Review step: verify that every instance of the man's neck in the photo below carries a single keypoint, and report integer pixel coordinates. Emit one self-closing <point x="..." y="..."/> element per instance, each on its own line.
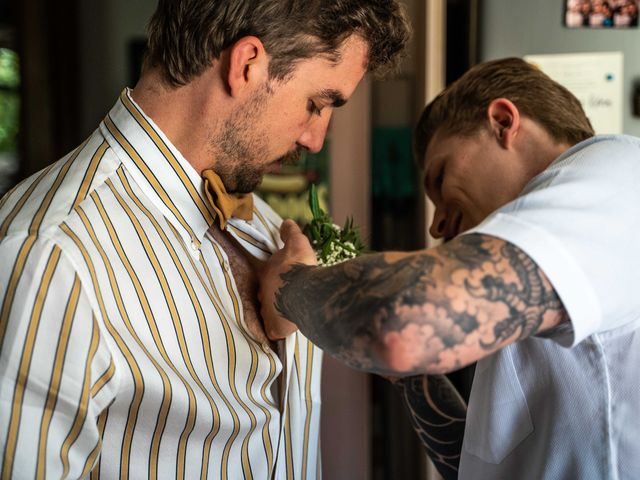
<point x="540" y="149"/>
<point x="182" y="113"/>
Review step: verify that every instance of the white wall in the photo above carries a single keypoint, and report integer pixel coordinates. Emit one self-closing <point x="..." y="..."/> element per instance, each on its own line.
<point x="523" y="27"/>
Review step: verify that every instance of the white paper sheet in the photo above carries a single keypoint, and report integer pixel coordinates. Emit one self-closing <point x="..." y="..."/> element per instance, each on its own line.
<point x="595" y="79"/>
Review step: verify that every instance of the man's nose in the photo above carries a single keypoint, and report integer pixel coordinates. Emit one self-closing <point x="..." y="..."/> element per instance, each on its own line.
<point x="313" y="137"/>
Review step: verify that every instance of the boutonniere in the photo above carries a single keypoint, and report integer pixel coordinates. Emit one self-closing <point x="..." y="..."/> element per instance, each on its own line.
<point x="332" y="243"/>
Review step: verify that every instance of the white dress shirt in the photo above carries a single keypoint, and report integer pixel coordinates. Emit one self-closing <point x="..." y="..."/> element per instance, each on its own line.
<point x="564" y="404"/>
<point x="125" y="351"/>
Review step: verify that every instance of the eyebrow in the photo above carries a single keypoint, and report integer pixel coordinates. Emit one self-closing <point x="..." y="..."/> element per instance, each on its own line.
<point x="334" y="97"/>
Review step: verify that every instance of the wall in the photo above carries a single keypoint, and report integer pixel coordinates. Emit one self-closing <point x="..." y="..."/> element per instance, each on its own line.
<point x="346" y="403"/>
<point x="106" y="27"/>
<point x="523" y="27"/>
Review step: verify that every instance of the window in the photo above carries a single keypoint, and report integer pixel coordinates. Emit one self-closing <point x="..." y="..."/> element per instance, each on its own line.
<point x="9" y="116"/>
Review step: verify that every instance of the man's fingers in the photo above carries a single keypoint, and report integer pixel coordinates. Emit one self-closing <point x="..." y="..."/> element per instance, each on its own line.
<point x="296" y="250"/>
<point x="281" y="330"/>
<point x="296" y="243"/>
<point x="289" y="228"/>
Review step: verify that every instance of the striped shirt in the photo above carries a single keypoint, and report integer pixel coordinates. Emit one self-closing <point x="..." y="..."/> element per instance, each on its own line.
<point x="124" y="348"/>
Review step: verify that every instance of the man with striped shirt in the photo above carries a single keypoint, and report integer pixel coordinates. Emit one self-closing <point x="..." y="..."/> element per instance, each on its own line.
<point x="131" y="342"/>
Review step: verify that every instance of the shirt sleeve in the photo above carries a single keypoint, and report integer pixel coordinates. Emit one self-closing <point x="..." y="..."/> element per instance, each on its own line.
<point x="57" y="374"/>
<point x="579" y="221"/>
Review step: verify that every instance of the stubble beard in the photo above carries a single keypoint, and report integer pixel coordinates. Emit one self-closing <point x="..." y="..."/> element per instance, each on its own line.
<point x="240" y="147"/>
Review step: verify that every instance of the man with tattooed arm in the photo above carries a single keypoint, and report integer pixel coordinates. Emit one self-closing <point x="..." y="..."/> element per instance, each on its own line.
<point x="535" y="281"/>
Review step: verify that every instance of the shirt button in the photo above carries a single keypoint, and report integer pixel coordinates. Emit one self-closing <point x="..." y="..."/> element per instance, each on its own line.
<point x="225" y="266"/>
<point x="266" y="348"/>
<point x="194" y="247"/>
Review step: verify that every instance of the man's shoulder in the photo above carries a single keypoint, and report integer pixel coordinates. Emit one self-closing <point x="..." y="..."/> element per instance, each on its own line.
<point x="612" y="160"/>
<point x="610" y="146"/>
<point x="41" y="203"/>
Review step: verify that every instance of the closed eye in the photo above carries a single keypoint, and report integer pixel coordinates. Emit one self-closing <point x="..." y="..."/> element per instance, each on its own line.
<point x="438" y="182"/>
<point x="433" y="185"/>
<point x="313" y="108"/>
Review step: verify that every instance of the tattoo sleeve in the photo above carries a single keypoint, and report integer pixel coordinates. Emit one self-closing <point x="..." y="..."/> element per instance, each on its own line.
<point x="431" y="311"/>
<point x="438" y="414"/>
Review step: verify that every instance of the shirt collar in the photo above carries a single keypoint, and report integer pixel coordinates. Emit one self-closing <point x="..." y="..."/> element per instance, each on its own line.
<point x="163" y="174"/>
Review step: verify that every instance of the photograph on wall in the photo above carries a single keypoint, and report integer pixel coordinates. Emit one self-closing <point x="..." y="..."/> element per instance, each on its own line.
<point x="601" y="13"/>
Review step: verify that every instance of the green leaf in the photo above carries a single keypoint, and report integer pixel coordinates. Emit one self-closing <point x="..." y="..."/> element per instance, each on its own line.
<point x="323" y="235"/>
<point x="314" y="204"/>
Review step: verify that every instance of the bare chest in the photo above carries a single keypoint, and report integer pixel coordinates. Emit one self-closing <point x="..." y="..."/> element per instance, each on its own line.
<point x="246" y="280"/>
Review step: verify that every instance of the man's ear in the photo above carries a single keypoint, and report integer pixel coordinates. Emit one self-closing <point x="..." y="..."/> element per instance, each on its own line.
<point x="248" y="66"/>
<point x="504" y="120"/>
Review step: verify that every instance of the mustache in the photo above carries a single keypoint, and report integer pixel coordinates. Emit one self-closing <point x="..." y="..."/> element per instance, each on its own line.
<point x="292" y="157"/>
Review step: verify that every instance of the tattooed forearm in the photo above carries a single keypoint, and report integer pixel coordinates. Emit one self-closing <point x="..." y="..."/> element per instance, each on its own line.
<point x="345" y="307"/>
<point x="438" y="414"/>
<point x="427" y="312"/>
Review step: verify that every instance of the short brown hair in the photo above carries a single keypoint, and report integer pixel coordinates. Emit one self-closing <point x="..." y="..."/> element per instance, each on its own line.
<point x="462" y="107"/>
<point x="186" y="35"/>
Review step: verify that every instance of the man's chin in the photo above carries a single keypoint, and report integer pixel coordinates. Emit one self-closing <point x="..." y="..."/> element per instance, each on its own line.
<point x="246" y="184"/>
<point x="275" y="167"/>
<point x="247" y="188"/>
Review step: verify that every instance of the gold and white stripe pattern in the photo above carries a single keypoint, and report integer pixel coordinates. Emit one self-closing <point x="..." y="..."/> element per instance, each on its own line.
<point x="124" y="351"/>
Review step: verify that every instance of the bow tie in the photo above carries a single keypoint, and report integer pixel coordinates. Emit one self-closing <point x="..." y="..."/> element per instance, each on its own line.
<point x="226" y="205"/>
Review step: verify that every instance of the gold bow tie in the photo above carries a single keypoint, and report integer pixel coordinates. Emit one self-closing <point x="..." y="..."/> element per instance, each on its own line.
<point x="226" y="205"/>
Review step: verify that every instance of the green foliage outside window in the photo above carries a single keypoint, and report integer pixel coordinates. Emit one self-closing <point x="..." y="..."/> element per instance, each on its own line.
<point x="9" y="100"/>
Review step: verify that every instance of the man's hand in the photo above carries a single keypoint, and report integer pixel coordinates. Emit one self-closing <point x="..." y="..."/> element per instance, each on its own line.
<point x="296" y="250"/>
